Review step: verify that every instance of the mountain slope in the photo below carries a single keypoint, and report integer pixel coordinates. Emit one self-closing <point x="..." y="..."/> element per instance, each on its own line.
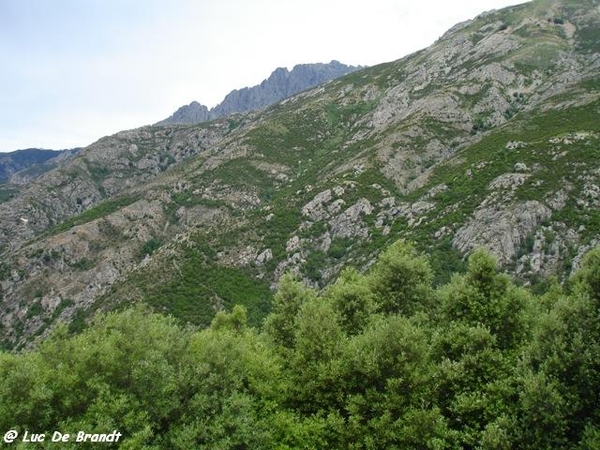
<point x="489" y="137"/>
<point x="13" y="162"/>
<point x="20" y="167"/>
<point x="281" y="84"/>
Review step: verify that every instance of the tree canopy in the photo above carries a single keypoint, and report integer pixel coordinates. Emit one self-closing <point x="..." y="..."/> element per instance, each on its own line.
<point x="377" y="360"/>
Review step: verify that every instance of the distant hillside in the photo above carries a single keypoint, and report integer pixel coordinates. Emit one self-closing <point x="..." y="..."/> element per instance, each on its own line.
<point x="281" y="84"/>
<point x="13" y="162"/>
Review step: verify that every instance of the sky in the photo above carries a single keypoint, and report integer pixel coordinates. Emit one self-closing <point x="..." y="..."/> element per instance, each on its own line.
<point x="73" y="71"/>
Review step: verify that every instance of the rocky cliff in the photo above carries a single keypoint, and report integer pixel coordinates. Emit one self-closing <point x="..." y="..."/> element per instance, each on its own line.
<point x="488" y="138"/>
<point x="281" y="84"/>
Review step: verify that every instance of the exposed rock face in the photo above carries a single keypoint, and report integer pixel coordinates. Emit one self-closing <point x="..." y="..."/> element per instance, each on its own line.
<point x="502" y="231"/>
<point x="315" y="208"/>
<point x="281" y="84"/>
<point x="264" y="257"/>
<point x="349" y="223"/>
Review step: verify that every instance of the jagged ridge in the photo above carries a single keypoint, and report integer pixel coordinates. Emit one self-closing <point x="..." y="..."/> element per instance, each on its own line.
<point x="281" y="84"/>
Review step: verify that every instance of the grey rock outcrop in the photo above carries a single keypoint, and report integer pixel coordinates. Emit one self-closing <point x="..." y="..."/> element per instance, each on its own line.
<point x="349" y="223"/>
<point x="501" y="230"/>
<point x="188" y="114"/>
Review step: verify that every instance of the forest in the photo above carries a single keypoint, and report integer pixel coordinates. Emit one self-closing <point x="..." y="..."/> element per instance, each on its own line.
<point x="378" y="360"/>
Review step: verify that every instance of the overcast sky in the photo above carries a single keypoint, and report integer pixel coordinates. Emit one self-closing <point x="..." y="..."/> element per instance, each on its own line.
<point x="72" y="71"/>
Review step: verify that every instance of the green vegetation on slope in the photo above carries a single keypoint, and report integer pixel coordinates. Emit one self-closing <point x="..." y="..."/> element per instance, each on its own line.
<point x="381" y="360"/>
<point x="193" y="286"/>
<point x="6" y="192"/>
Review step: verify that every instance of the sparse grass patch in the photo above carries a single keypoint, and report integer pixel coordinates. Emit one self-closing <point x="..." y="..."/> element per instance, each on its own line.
<point x="149" y="247"/>
<point x="100" y="210"/>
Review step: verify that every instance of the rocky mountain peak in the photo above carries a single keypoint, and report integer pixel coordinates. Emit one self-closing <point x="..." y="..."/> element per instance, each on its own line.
<point x="192" y="113"/>
<point x="282" y="83"/>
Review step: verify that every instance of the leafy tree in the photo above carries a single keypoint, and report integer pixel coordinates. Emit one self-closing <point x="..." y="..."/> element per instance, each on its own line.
<point x="230" y="380"/>
<point x="122" y="371"/>
<point x="387" y="373"/>
<point x="565" y="349"/>
<point x="543" y="417"/>
<point x="280" y="325"/>
<point x="484" y="297"/>
<point x="236" y="321"/>
<point x="471" y="375"/>
<point x="401" y="280"/>
<point x="352" y="297"/>
<point x="315" y="360"/>
<point x="587" y="279"/>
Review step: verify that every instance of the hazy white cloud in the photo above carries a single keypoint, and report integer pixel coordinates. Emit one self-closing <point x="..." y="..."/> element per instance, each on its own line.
<point x="76" y="70"/>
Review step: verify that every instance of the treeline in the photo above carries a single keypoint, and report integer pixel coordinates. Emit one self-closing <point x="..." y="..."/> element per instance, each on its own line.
<point x="376" y="361"/>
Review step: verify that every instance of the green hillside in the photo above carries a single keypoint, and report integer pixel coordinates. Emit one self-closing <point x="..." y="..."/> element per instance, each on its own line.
<point x="488" y="138"/>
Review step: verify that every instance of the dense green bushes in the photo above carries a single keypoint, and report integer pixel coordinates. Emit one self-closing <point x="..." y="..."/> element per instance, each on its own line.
<point x="381" y="360"/>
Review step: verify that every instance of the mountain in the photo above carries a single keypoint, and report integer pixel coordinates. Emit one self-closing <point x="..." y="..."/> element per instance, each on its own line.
<point x="487" y="138"/>
<point x="13" y="162"/>
<point x="281" y="84"/>
<point x="20" y="167"/>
